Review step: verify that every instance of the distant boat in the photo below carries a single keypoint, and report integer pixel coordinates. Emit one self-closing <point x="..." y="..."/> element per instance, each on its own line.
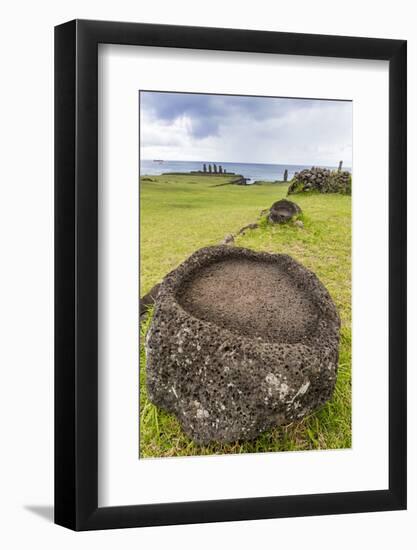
<point x="159" y="161"/>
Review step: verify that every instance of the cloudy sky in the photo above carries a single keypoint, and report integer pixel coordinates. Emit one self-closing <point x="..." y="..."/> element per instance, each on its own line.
<point x="178" y="126"/>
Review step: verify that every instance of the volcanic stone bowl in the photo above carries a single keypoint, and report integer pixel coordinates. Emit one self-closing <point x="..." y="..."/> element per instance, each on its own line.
<point x="283" y="210"/>
<point x="241" y="341"/>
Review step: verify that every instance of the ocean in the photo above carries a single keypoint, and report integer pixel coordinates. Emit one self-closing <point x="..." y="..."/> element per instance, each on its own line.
<point x="251" y="171"/>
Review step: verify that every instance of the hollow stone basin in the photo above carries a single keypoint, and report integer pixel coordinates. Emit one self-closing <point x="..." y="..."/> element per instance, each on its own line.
<point x="241" y="341"/>
<point x="283" y="211"/>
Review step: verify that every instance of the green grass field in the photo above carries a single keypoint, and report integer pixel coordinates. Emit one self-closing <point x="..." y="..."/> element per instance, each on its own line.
<point x="180" y="214"/>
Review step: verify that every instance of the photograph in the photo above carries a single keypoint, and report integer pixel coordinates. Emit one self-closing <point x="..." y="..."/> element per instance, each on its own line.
<point x="245" y="274"/>
<point x="208" y="334"/>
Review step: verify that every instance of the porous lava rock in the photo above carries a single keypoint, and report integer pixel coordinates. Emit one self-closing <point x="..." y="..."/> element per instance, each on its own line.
<point x="283" y="211"/>
<point x="241" y="341"/>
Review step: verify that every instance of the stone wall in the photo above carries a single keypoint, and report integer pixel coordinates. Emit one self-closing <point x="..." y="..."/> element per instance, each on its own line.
<point x="322" y="180"/>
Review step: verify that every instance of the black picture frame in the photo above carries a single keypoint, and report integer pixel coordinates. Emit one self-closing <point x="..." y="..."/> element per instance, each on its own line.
<point x="76" y="273"/>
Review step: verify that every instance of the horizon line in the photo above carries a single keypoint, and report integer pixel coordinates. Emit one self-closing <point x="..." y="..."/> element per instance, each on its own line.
<point x="240" y="162"/>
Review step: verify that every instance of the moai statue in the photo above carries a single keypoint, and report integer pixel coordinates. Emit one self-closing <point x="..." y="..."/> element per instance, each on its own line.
<point x="340" y="166"/>
<point x="215" y="168"/>
<point x="220" y="169"/>
<point x="224" y="170"/>
<point x="285" y="175"/>
<point x="209" y="168"/>
<point x="204" y="168"/>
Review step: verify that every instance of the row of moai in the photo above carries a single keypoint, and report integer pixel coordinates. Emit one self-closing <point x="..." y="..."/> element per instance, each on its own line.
<point x="216" y="169"/>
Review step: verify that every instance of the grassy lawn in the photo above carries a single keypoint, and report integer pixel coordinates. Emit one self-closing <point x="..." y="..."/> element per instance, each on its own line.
<point x="180" y="214"/>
